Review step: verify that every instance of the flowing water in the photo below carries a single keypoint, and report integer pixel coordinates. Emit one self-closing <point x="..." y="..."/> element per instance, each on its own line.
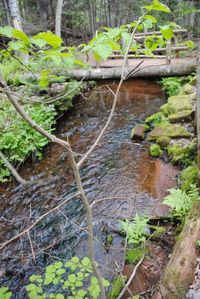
<point x="119" y="171"/>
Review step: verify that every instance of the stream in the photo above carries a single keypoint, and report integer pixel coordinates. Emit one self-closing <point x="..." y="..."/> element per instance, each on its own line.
<point x="119" y="171"/>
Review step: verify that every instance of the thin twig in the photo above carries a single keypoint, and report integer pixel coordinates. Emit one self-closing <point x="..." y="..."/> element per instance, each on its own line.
<point x="14" y="171"/>
<point x="31" y="244"/>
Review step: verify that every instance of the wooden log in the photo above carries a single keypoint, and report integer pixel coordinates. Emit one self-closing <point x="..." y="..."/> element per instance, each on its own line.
<point x="179" y="273"/>
<point x="174" y="69"/>
<point x="177" y="31"/>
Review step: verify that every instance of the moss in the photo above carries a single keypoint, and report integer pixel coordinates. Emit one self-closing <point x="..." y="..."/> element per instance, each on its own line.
<point x="155" y="150"/>
<point x="187" y="89"/>
<point x="181" y="287"/>
<point x="170" y="130"/>
<point x="117" y="286"/>
<point x="135" y="254"/>
<point x="181" y="155"/>
<point x="176" y="104"/>
<point x="184" y="115"/>
<point x="166" y="109"/>
<point x="155" y="119"/>
<point x="163" y="141"/>
<point x="188" y="177"/>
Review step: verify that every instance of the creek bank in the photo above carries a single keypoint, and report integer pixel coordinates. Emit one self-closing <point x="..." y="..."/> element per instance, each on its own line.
<point x="177" y="144"/>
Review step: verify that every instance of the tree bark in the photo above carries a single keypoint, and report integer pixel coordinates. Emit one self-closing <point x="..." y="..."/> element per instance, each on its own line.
<point x="150" y="71"/>
<point x="179" y="272"/>
<point x="58" y="17"/>
<point x="15" y="14"/>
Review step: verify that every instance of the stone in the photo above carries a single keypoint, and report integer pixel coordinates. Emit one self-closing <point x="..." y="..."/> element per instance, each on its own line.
<point x="155" y="119"/>
<point x="155" y="150"/>
<point x="163" y="141"/>
<point x="176" y="104"/>
<point x="170" y="130"/>
<point x="180" y="116"/>
<point x="137" y="132"/>
<point x="187" y="89"/>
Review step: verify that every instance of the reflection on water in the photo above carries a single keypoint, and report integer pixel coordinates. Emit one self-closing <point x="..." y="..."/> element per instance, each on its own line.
<point x="118" y="171"/>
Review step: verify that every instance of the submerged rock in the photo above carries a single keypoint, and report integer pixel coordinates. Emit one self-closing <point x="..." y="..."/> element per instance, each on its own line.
<point x="137" y="132"/>
<point x="155" y="150"/>
<point x="169" y="130"/>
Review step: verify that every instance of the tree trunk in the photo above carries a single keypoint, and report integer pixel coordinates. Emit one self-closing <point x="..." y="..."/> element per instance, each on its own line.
<point x="179" y="273"/>
<point x="43" y="11"/>
<point x="58" y="18"/>
<point x="177" y="69"/>
<point x="92" y="17"/>
<point x="15" y="14"/>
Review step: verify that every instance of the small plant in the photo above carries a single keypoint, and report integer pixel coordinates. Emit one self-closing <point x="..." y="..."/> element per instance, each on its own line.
<point x="136" y="230"/>
<point x="180" y="202"/>
<point x="72" y="280"/>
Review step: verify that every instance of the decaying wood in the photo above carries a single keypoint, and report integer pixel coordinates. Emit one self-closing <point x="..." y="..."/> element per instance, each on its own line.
<point x="179" y="272"/>
<point x="178" y="69"/>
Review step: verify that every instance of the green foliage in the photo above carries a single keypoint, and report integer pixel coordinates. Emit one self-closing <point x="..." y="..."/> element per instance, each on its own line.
<point x="133" y="255"/>
<point x="136" y="230"/>
<point x="182" y="155"/>
<point x="117" y="286"/>
<point x="18" y="139"/>
<point x="189" y="177"/>
<point x="72" y="280"/>
<point x="173" y="85"/>
<point x="156" y="5"/>
<point x="5" y="293"/>
<point x="156" y="119"/>
<point x="180" y="202"/>
<point x="155" y="150"/>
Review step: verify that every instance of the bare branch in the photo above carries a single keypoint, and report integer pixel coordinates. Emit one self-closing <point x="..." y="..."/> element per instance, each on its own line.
<point x="14" y="171"/>
<point x="131" y="277"/>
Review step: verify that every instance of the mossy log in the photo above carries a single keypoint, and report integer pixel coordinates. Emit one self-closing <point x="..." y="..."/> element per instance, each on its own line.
<point x="177" y="69"/>
<point x="179" y="272"/>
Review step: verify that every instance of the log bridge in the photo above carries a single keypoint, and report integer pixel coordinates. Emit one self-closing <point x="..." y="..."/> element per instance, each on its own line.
<point x="165" y="62"/>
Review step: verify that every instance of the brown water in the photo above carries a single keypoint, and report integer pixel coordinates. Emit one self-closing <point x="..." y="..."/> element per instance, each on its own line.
<point x="117" y="169"/>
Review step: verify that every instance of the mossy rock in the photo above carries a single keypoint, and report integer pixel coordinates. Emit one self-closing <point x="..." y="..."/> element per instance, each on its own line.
<point x="182" y="155"/>
<point x="180" y="116"/>
<point x="155" y="119"/>
<point x="138" y="132"/>
<point x="170" y="130"/>
<point x="155" y="150"/>
<point x="189" y="177"/>
<point x="163" y="141"/>
<point x="187" y="89"/>
<point x="166" y="109"/>
<point x="179" y="103"/>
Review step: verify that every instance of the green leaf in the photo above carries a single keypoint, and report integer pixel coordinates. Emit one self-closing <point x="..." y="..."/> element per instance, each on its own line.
<point x="158" y="7"/>
<point x="7" y="31"/>
<point x="166" y="31"/>
<point x="58" y="265"/>
<point x="16" y="45"/>
<point x="126" y="38"/>
<point x="38" y="42"/>
<point x="31" y="287"/>
<point x="72" y="278"/>
<point x="152" y="18"/>
<point x="190" y="44"/>
<point x="18" y="34"/>
<point x="198" y="243"/>
<point x="59" y="296"/>
<point x="102" y="50"/>
<point x="50" y="38"/>
<point x="60" y="271"/>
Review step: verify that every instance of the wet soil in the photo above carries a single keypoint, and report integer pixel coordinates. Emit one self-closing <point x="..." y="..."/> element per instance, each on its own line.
<point x="119" y="171"/>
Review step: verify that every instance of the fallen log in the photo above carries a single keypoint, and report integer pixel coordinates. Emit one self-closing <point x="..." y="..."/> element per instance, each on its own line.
<point x="179" y="272"/>
<point x="175" y="69"/>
